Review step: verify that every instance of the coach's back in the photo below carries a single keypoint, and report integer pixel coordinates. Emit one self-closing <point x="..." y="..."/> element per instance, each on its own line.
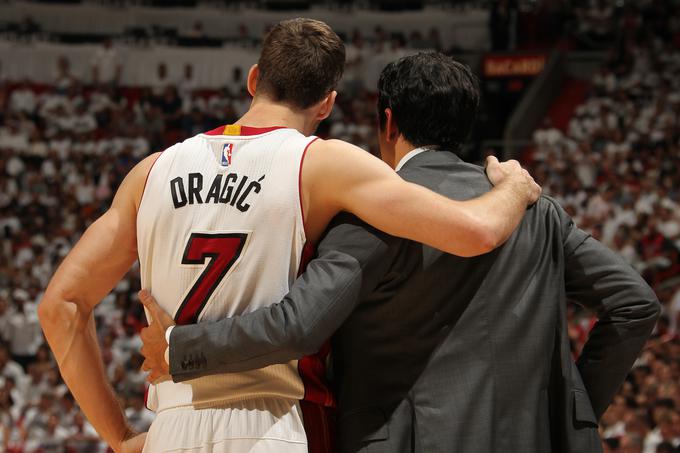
<point x="471" y="355"/>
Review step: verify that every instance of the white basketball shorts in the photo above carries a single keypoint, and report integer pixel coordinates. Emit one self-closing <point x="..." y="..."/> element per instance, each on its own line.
<point x="261" y="425"/>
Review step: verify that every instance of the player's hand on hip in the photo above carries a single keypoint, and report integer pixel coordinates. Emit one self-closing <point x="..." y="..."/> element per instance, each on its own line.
<point x="512" y="172"/>
<point x="153" y="338"/>
<point x="132" y="444"/>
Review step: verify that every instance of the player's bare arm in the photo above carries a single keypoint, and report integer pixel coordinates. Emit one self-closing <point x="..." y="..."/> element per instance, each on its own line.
<point x="337" y="176"/>
<point x="96" y="264"/>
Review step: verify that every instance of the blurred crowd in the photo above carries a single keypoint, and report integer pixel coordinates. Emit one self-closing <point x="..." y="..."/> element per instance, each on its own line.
<point x="63" y="151"/>
<point x="595" y="23"/>
<point x="65" y="147"/>
<point x="616" y="171"/>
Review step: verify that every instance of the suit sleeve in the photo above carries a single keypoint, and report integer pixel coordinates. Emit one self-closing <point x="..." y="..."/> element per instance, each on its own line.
<point x="351" y="260"/>
<point x="626" y="308"/>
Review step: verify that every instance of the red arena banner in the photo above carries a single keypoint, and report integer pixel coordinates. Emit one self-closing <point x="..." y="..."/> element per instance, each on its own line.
<point x="513" y="65"/>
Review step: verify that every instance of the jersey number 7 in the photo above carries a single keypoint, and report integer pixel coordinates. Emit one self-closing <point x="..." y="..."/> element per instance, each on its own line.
<point x="221" y="250"/>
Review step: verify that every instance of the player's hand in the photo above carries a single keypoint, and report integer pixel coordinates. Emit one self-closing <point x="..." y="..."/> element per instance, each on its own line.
<point x="132" y="444"/>
<point x="511" y="171"/>
<point x="153" y="338"/>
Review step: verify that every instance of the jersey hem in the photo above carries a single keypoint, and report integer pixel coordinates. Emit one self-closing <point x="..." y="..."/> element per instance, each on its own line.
<point x="225" y="402"/>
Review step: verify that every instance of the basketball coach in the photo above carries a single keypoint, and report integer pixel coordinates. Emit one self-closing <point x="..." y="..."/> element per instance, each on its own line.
<point x="432" y="352"/>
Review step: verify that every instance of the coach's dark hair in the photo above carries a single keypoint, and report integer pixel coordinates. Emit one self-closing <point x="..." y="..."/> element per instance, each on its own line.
<point x="302" y="60"/>
<point x="433" y="98"/>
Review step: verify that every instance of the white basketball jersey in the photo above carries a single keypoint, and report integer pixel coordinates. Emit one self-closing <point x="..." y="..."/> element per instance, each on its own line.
<point x="220" y="233"/>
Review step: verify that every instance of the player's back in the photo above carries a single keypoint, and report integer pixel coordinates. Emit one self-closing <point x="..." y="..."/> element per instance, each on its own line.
<point x="220" y="232"/>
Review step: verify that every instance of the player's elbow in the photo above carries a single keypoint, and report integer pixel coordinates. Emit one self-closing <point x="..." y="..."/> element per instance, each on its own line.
<point x="490" y="240"/>
<point x="56" y="314"/>
<point x="48" y="313"/>
<point x="484" y="238"/>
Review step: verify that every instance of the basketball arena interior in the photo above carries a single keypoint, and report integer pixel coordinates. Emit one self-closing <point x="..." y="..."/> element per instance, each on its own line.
<point x="585" y="94"/>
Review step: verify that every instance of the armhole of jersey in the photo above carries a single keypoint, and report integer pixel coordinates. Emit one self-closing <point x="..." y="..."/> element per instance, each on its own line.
<point x="302" y="208"/>
<point x="146" y="180"/>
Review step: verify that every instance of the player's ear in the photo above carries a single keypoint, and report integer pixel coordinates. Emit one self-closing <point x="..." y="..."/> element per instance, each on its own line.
<point x="326" y="106"/>
<point x="253" y="74"/>
<point x="391" y="128"/>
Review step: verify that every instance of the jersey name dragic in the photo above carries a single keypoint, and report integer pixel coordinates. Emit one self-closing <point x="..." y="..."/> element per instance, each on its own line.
<point x="230" y="189"/>
<point x="220" y="233"/>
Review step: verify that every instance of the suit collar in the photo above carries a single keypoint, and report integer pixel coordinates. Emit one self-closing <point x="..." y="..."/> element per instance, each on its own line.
<point x="410" y="155"/>
<point x="427" y="156"/>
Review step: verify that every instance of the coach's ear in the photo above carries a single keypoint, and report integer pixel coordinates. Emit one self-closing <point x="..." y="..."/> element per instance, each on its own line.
<point x="391" y="129"/>
<point x="253" y="74"/>
<point x="326" y="106"/>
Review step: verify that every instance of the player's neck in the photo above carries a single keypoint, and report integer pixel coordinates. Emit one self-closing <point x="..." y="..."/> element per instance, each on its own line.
<point x="269" y="114"/>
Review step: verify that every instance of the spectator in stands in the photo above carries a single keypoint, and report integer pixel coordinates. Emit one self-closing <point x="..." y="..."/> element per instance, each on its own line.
<point x="28" y="27"/>
<point x="161" y="80"/>
<point x="237" y="82"/>
<point x="7" y="424"/>
<point x="188" y="83"/>
<point x="82" y="437"/>
<point x="24" y="330"/>
<point x="51" y="438"/>
<point x="106" y="64"/>
<point x="433" y="41"/>
<point x="197" y="31"/>
<point x="243" y="35"/>
<point x="356" y="53"/>
<point x="22" y="98"/>
<point x="5" y="314"/>
<point x="64" y="78"/>
<point x="137" y="414"/>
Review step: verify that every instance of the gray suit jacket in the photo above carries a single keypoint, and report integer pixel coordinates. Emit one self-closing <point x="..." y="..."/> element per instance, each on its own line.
<point x="436" y="353"/>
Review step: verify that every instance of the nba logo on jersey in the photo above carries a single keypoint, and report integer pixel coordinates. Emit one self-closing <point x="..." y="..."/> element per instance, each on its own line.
<point x="226" y="154"/>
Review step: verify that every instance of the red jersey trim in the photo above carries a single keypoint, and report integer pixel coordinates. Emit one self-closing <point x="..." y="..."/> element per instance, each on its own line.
<point x="147" y="178"/>
<point x="239" y="130"/>
<point x="302" y="208"/>
<point x="319" y="424"/>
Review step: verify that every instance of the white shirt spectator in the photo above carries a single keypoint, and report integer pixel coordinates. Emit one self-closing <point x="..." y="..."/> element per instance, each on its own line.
<point x="13" y="139"/>
<point x="645" y="203"/>
<point x="669" y="228"/>
<point x="22" y="100"/>
<point x="84" y="123"/>
<point x="106" y="63"/>
<point x="598" y="208"/>
<point x="159" y="82"/>
<point x="85" y="192"/>
<point x="187" y="85"/>
<point x="13" y="370"/>
<point x="26" y="335"/>
<point x="127" y="345"/>
<point x="6" y="312"/>
<point x="23" y="256"/>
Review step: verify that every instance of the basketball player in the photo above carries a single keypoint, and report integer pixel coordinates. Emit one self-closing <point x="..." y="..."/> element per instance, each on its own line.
<point x="228" y="215"/>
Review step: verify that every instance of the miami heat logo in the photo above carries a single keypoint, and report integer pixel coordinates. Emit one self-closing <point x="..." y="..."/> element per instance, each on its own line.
<point x="226" y="154"/>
